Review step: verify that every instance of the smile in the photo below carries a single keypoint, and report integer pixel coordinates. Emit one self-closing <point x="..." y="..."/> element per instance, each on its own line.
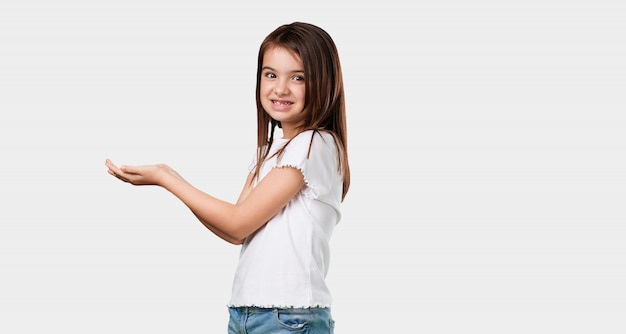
<point x="281" y="103"/>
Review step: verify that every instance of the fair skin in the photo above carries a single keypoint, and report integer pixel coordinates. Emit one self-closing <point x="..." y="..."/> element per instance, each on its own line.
<point x="282" y="96"/>
<point x="282" y="89"/>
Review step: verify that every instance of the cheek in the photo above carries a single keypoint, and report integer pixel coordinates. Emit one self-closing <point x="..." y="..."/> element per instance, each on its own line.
<point x="299" y="91"/>
<point x="264" y="87"/>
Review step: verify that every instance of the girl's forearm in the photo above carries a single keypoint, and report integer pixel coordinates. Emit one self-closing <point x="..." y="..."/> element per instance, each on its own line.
<point x="219" y="233"/>
<point x="215" y="214"/>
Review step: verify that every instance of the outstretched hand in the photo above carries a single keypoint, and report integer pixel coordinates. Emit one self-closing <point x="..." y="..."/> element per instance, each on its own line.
<point x="141" y="175"/>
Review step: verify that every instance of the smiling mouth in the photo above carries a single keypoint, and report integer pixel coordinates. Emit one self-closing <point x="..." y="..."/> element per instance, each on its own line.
<point x="281" y="103"/>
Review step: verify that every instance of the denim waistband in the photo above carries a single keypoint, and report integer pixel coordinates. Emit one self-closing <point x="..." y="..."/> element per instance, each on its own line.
<point x="256" y="309"/>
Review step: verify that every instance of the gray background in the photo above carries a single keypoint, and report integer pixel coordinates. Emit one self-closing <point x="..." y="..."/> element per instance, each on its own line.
<point x="487" y="148"/>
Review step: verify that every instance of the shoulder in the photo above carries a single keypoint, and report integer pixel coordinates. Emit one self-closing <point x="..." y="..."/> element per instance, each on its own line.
<point x="310" y="145"/>
<point x="315" y="139"/>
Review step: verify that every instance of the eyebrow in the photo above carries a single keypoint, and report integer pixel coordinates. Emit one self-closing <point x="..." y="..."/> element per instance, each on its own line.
<point x="273" y="69"/>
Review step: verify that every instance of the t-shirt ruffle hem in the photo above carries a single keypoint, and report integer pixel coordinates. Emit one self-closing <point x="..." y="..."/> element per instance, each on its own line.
<point x="279" y="306"/>
<point x="309" y="190"/>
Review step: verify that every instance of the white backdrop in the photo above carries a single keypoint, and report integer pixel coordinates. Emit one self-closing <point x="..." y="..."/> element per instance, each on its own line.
<point x="487" y="147"/>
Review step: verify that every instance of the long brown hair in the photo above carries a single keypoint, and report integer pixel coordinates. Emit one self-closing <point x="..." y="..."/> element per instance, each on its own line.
<point x="324" y="106"/>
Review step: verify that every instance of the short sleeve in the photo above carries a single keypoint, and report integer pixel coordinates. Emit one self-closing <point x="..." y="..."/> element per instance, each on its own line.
<point x="319" y="165"/>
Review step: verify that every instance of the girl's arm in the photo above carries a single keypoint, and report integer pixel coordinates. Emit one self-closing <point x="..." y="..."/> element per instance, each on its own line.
<point x="244" y="193"/>
<point x="231" y="222"/>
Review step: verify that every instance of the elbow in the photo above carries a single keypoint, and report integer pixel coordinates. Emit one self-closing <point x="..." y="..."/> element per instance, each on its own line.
<point x="240" y="229"/>
<point x="237" y="238"/>
<point x="236" y="242"/>
<point x="240" y="226"/>
<point x="231" y="238"/>
<point x="234" y="238"/>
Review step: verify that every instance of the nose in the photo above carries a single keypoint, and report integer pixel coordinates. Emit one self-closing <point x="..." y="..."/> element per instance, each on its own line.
<point x="281" y="88"/>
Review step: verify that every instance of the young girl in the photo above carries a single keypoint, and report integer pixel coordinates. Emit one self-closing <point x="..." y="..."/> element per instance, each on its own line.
<point x="290" y="203"/>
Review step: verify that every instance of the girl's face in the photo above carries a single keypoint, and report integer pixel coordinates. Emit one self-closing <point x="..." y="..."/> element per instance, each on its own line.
<point x="282" y="88"/>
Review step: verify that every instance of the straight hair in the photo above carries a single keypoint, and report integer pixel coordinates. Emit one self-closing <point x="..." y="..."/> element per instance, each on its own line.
<point x="324" y="105"/>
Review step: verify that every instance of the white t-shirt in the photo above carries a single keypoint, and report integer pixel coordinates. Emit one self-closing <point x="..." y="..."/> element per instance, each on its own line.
<point x="284" y="263"/>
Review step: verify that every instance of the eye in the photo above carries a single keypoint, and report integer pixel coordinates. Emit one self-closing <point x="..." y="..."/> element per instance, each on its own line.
<point x="270" y="75"/>
<point x="298" y="78"/>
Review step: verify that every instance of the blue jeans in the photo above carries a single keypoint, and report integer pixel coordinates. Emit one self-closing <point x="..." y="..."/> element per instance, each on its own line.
<point x="254" y="320"/>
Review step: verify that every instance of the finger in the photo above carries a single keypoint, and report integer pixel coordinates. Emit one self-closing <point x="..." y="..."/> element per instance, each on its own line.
<point x="110" y="164"/>
<point x="128" y="169"/>
<point x="117" y="170"/>
<point x="113" y="169"/>
<point x="117" y="175"/>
